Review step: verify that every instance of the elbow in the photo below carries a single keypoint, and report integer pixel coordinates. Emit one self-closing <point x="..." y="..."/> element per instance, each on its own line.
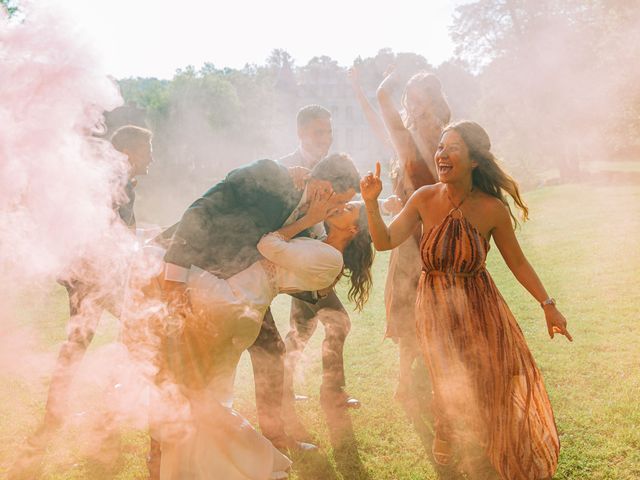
<point x="270" y="245"/>
<point x="382" y="246"/>
<point x="262" y="247"/>
<point x="517" y="266"/>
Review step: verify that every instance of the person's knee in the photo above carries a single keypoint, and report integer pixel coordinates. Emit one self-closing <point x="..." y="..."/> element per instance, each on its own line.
<point x="337" y="324"/>
<point x="336" y="333"/>
<point x="305" y="334"/>
<point x="274" y="348"/>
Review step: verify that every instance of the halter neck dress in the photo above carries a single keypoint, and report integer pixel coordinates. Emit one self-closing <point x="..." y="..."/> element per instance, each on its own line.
<point x="486" y="385"/>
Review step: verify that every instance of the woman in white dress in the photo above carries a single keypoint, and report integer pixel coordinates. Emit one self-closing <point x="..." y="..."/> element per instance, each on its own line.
<point x="202" y="353"/>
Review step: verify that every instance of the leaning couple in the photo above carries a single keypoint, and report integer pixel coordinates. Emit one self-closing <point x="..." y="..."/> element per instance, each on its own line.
<point x="260" y="232"/>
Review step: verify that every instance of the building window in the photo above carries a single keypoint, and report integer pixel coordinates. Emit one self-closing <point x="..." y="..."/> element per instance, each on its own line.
<point x="349" y="137"/>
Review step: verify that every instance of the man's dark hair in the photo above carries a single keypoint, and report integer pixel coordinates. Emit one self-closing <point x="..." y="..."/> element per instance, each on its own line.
<point x="130" y="136"/>
<point x="310" y="113"/>
<point x="338" y="169"/>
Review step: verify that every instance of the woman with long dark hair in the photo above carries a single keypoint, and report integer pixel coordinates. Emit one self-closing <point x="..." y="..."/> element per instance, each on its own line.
<point x="357" y="255"/>
<point x="486" y="385"/>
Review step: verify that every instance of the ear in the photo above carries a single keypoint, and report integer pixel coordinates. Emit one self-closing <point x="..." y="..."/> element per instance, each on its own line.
<point x="353" y="229"/>
<point x="474" y="164"/>
<point x="129" y="153"/>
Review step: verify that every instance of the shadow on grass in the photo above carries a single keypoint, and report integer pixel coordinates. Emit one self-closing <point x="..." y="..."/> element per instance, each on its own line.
<point x="45" y="453"/>
<point x="345" y="446"/>
<point x="28" y="465"/>
<point x="348" y="464"/>
<point x="313" y="466"/>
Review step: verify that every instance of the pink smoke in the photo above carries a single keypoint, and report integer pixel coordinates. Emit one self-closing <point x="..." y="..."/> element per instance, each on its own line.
<point x="56" y="181"/>
<point x="58" y="184"/>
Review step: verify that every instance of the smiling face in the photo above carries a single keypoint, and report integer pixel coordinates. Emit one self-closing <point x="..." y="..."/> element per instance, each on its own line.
<point x="452" y="158"/>
<point x="316" y="137"/>
<point x="345" y="218"/>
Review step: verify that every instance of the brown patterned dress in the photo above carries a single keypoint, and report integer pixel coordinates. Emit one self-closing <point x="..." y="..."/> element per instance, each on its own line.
<point x="487" y="387"/>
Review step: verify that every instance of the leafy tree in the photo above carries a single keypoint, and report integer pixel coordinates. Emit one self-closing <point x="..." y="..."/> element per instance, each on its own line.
<point x="10" y="7"/>
<point x="544" y="73"/>
<point x="320" y="69"/>
<point x="206" y="92"/>
<point x="150" y="94"/>
<point x="460" y="87"/>
<point x="278" y="59"/>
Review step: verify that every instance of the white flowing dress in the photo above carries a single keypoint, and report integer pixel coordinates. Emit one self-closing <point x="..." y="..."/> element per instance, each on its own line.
<point x="220" y="443"/>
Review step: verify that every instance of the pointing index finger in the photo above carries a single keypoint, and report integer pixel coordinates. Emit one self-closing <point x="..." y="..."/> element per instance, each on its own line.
<point x="568" y="335"/>
<point x="377" y="170"/>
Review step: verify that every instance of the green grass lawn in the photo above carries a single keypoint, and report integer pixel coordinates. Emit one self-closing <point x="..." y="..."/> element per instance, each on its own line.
<point x="583" y="240"/>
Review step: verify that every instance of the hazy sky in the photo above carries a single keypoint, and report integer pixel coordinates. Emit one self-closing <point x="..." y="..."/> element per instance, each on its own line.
<point x="154" y="37"/>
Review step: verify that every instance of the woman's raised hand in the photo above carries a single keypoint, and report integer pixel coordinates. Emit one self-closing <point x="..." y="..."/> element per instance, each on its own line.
<point x="371" y="185"/>
<point x="556" y="323"/>
<point x="389" y="79"/>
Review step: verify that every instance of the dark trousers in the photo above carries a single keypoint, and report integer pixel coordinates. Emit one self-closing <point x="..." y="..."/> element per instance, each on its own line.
<point x="267" y="359"/>
<point x="304" y="320"/>
<point x="85" y="310"/>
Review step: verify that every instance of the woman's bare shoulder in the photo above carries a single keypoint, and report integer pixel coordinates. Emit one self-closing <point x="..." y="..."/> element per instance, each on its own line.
<point x="493" y="206"/>
<point x="427" y="191"/>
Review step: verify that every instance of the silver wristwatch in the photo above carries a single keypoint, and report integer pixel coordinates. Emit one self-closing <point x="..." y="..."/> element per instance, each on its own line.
<point x="548" y="301"/>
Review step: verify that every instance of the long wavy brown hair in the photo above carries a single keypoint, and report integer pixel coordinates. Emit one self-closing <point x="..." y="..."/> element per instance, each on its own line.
<point x="358" y="258"/>
<point x="489" y="176"/>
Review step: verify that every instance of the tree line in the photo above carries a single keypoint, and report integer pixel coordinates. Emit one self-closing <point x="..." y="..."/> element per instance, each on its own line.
<point x="555" y="82"/>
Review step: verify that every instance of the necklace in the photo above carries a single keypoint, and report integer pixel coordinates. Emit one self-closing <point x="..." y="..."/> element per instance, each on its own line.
<point x="466" y="195"/>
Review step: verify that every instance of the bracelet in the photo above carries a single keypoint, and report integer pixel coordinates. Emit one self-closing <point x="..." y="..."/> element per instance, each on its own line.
<point x="548" y="301"/>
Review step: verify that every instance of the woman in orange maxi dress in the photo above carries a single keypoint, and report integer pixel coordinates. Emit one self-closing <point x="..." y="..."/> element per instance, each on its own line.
<point x="486" y="385"/>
